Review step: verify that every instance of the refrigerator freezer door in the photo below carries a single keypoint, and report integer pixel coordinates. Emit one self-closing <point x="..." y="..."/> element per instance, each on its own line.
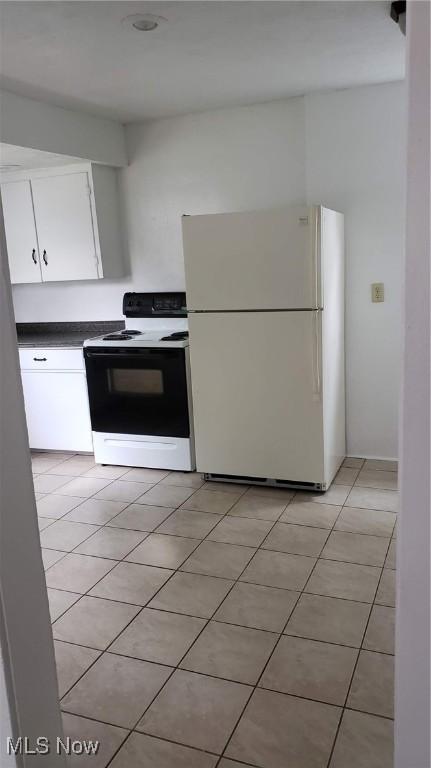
<point x="257" y="402"/>
<point x="253" y="260"/>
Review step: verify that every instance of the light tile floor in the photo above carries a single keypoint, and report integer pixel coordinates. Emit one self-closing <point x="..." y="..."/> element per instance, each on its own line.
<point x="200" y="624"/>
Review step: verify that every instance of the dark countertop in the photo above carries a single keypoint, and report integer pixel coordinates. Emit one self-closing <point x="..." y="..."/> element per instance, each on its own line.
<point x="63" y="334"/>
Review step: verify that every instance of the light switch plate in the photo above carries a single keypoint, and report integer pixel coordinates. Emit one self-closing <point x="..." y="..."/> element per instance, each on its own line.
<point x="377" y="292"/>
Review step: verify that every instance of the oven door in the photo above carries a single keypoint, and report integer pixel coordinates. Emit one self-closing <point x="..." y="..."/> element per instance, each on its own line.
<point x="138" y="391"/>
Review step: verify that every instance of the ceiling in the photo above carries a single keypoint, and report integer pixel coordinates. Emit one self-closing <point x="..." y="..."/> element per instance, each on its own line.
<point x="13" y="158"/>
<point x="206" y="55"/>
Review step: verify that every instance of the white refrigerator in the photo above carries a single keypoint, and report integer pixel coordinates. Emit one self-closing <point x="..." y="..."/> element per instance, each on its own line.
<point x="265" y="294"/>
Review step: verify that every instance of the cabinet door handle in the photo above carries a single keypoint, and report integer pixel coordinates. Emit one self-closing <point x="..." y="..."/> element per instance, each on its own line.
<point x="33" y="255"/>
<point x="40" y="359"/>
<point x="45" y="258"/>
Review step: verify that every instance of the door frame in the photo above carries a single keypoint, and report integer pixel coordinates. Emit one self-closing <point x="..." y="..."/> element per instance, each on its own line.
<point x="412" y="660"/>
<point x="29" y="678"/>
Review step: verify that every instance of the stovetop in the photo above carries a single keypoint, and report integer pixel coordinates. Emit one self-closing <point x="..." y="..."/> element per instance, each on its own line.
<point x="131" y="337"/>
<point x="152" y="320"/>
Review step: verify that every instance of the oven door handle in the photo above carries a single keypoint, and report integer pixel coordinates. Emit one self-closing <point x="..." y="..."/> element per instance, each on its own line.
<point x="136" y="353"/>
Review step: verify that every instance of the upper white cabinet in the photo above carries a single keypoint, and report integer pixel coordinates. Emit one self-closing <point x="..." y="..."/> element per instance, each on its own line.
<point x="20" y="232"/>
<point x="65" y="227"/>
<point x="62" y="224"/>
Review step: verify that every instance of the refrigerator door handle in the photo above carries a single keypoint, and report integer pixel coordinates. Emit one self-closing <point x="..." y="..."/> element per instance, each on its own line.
<point x="317" y="372"/>
<point x="316" y="256"/>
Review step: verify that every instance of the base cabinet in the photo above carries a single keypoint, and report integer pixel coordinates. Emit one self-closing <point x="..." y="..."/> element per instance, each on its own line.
<point x="56" y="406"/>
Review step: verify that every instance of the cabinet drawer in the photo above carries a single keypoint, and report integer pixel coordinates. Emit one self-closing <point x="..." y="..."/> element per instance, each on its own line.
<point x="51" y="358"/>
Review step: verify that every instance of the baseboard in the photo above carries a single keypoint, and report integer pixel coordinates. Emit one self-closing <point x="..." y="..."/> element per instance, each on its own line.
<point x="373" y="458"/>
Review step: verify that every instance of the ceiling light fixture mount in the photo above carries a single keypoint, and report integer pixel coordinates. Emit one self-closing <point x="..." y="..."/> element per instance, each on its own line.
<point x="143" y="22"/>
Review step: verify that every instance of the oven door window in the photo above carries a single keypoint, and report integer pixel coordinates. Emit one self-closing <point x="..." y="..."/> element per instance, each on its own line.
<point x="138" y="391"/>
<point x="132" y="381"/>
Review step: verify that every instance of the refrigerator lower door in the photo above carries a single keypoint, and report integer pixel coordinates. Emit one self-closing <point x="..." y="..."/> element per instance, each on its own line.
<point x="256" y="380"/>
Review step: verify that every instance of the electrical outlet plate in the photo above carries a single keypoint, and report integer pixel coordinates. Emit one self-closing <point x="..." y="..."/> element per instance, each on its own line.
<point x="377" y="292"/>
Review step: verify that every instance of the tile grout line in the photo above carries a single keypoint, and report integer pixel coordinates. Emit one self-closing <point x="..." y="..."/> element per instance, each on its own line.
<point x="353" y="675"/>
<point x="106" y="650"/>
<point x="224" y="679"/>
<point x="150" y="599"/>
<point x="116" y="561"/>
<point x="212" y="541"/>
<point x="337" y="730"/>
<point x="236" y="581"/>
<point x="106" y="524"/>
<point x="358" y="651"/>
<point x="53" y="622"/>
<point x="147" y="533"/>
<point x="285" y="625"/>
<point x="222" y="578"/>
<point x="207" y="622"/>
<point x="199" y="541"/>
<point x="355" y="666"/>
<point x="219" y="621"/>
<point x="168" y="741"/>
<point x="358" y="655"/>
<point x="183" y="506"/>
<point x="236" y="544"/>
<point x="85" y="594"/>
<point x="129" y="503"/>
<point x="281" y="634"/>
<point x="174" y="669"/>
<point x="197" y="545"/>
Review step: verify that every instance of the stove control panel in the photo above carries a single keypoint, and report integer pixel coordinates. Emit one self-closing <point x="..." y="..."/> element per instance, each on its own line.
<point x="154" y="305"/>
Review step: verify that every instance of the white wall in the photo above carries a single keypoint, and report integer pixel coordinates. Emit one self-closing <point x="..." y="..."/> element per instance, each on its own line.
<point x="227" y="160"/>
<point x="250" y="157"/>
<point x="29" y="123"/>
<point x="256" y="157"/>
<point x="355" y="164"/>
<point x="412" y="661"/>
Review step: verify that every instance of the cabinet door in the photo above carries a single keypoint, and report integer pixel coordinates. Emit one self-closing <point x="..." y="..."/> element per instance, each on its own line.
<point x="56" y="406"/>
<point x="20" y="231"/>
<point x="65" y="230"/>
